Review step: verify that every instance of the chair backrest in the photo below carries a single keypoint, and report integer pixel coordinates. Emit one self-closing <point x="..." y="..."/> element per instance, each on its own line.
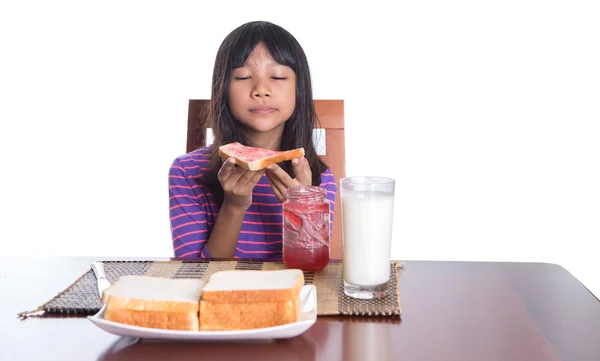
<point x="329" y="140"/>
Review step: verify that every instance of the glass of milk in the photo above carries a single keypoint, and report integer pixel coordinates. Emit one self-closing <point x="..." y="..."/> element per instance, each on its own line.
<point x="367" y="213"/>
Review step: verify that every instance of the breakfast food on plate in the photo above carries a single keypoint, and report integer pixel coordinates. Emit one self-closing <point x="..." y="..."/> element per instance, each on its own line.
<point x="239" y="300"/>
<point x="257" y="158"/>
<point x="154" y="302"/>
<point x="229" y="300"/>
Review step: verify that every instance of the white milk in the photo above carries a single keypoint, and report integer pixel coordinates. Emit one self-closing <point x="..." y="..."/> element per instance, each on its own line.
<point x="367" y="235"/>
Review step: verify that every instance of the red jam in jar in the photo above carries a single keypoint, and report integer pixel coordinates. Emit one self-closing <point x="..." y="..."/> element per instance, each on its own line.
<point x="306" y="228"/>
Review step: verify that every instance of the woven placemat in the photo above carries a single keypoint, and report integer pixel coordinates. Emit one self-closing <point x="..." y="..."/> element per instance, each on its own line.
<point x="81" y="297"/>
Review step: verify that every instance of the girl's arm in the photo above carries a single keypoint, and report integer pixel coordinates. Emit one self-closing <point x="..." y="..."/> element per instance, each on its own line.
<point x="238" y="184"/>
<point x="187" y="211"/>
<point x="223" y="239"/>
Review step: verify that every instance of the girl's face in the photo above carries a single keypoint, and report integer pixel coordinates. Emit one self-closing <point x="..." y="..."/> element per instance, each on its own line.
<point x="262" y="94"/>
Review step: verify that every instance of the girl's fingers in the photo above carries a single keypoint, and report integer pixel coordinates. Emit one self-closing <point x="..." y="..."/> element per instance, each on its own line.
<point x="276" y="182"/>
<point x="276" y="189"/>
<point x="226" y="169"/>
<point x="245" y="177"/>
<point x="302" y="171"/>
<point x="278" y="173"/>
<point x="255" y="178"/>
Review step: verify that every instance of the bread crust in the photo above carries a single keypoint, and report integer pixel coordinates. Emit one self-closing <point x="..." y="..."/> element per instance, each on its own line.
<point x="154" y="319"/>
<point x="211" y="322"/>
<point x="207" y="307"/>
<point x="224" y="317"/>
<point x="135" y="304"/>
<point x="250" y="296"/>
<point x="264" y="162"/>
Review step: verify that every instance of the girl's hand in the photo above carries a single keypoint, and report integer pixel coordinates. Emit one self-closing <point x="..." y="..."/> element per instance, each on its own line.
<point x="238" y="184"/>
<point x="280" y="181"/>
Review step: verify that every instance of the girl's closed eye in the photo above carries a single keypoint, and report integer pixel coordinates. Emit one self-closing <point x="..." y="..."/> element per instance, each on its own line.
<point x="279" y="77"/>
<point x="241" y="77"/>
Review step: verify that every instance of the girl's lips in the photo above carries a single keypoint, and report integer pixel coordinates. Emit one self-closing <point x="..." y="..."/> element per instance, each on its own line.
<point x="263" y="110"/>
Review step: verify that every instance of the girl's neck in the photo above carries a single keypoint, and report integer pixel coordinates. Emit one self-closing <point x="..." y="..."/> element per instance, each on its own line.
<point x="264" y="140"/>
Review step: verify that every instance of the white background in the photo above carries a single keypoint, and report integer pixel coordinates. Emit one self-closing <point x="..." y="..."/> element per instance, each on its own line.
<point x="486" y="112"/>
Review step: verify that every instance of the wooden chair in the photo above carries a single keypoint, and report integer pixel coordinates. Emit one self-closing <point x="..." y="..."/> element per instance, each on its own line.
<point x="331" y="118"/>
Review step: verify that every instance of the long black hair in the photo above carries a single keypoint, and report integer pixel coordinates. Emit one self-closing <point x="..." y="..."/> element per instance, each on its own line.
<point x="298" y="129"/>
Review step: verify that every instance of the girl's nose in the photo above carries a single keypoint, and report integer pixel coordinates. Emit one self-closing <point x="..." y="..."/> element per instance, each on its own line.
<point x="261" y="90"/>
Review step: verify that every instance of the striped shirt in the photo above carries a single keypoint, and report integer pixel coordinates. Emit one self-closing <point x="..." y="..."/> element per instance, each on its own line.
<point x="193" y="212"/>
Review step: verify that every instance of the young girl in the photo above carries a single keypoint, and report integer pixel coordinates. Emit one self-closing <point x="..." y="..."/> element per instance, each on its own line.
<point x="261" y="97"/>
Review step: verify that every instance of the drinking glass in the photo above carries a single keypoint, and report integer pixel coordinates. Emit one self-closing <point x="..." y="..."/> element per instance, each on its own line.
<point x="367" y="217"/>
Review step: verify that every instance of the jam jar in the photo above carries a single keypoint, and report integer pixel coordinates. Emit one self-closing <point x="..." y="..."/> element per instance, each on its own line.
<point x="306" y="228"/>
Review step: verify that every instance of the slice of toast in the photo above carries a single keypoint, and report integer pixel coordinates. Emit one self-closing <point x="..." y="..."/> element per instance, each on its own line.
<point x="256" y="158"/>
<point x="154" y="302"/>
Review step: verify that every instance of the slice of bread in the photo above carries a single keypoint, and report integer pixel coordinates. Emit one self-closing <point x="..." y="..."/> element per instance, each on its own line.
<point x="241" y="300"/>
<point x="154" y="302"/>
<point x="253" y="286"/>
<point x="257" y="158"/>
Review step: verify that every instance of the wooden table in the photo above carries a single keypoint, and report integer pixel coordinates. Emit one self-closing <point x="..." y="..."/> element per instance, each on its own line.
<point x="451" y="311"/>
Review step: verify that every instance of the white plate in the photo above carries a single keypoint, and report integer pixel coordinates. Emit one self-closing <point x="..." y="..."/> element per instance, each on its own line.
<point x="308" y="316"/>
